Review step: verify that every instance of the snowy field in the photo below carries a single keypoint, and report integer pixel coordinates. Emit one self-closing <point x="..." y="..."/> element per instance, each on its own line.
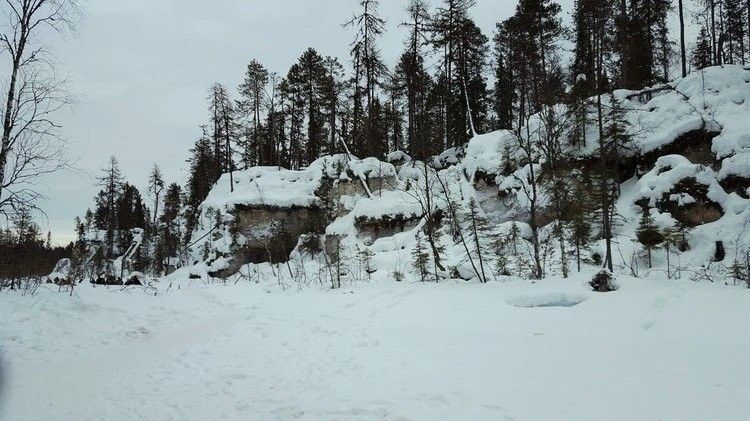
<point x="654" y="350"/>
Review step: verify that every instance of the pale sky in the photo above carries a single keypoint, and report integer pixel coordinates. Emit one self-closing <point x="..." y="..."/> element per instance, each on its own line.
<point x="142" y="68"/>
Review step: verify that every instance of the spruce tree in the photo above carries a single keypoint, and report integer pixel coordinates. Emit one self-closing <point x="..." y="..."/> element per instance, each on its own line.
<point x="106" y="203"/>
<point x="421" y="259"/>
<point x="648" y="234"/>
<point x="168" y="229"/>
<point x="701" y="57"/>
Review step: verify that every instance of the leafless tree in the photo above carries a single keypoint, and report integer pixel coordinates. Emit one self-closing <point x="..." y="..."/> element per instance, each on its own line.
<point x="529" y="185"/>
<point x="425" y="190"/>
<point x="31" y="145"/>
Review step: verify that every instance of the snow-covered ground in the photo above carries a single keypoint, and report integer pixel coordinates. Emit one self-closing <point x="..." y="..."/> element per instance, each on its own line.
<point x="653" y="350"/>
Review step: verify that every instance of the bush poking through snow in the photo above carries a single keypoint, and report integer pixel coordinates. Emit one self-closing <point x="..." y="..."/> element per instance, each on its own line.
<point x="603" y="281"/>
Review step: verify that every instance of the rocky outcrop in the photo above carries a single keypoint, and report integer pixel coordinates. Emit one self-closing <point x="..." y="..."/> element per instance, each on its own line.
<point x="270" y="233"/>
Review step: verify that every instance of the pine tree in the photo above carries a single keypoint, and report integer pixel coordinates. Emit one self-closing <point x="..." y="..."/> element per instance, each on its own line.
<point x="503" y="94"/>
<point x="251" y="105"/>
<point x="528" y="40"/>
<point x="27" y="232"/>
<point x="413" y="79"/>
<point x="219" y="108"/>
<point x="648" y="234"/>
<point x="647" y="47"/>
<point x="106" y="210"/>
<point x="367" y="63"/>
<point x="448" y="39"/>
<point x="332" y="90"/>
<point x="155" y="187"/>
<point x="469" y="103"/>
<point x="291" y="89"/>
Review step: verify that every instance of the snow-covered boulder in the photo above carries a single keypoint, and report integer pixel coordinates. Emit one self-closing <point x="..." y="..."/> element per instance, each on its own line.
<point x="689" y="192"/>
<point x="61" y="273"/>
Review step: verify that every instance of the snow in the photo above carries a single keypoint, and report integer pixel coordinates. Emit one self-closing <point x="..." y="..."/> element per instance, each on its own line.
<point x="61" y="271"/>
<point x="654" y="349"/>
<point x="670" y="170"/>
<point x="736" y="165"/>
<point x="484" y="151"/>
<point x="272" y="342"/>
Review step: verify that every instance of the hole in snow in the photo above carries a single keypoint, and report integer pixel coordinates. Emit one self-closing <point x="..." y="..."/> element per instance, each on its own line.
<point x="547" y="300"/>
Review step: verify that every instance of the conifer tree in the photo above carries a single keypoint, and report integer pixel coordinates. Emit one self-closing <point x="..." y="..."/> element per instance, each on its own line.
<point x="155" y="188"/>
<point x="503" y="93"/>
<point x="477" y="224"/>
<point x="169" y="241"/>
<point x="618" y="140"/>
<point x="410" y="75"/>
<point x="251" y="105"/>
<point x="332" y="90"/>
<point x="672" y="238"/>
<point x="648" y="234"/>
<point x="220" y="109"/>
<point x="421" y="259"/>
<point x="106" y="203"/>
<point x="201" y="178"/>
<point x="701" y="57"/>
<point x="735" y="30"/>
<point x="368" y="66"/>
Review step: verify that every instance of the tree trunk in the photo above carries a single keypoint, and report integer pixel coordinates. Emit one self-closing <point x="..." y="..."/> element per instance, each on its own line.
<point x="713" y="32"/>
<point x="9" y="110"/>
<point x="682" y="40"/>
<point x="606" y="227"/>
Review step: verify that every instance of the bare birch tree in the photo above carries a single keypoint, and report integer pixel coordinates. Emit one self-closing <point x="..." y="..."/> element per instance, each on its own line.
<point x="31" y="145"/>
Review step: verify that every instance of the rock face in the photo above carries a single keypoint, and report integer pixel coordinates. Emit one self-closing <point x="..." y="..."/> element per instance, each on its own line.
<point x="264" y="218"/>
<point x="270" y="233"/>
<point x="384" y="227"/>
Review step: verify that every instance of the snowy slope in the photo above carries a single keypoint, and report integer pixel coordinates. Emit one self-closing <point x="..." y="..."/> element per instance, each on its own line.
<point x="671" y="350"/>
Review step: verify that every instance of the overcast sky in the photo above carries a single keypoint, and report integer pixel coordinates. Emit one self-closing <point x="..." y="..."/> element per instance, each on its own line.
<point x="142" y="68"/>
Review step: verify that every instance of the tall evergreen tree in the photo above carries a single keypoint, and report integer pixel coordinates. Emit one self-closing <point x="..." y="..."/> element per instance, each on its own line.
<point x="414" y="81"/>
<point x="308" y="80"/>
<point x="368" y="68"/>
<point x="735" y="29"/>
<point x="155" y="188"/>
<point x="105" y="215"/>
<point x="168" y="229"/>
<point x="251" y="105"/>
<point x="701" y="56"/>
